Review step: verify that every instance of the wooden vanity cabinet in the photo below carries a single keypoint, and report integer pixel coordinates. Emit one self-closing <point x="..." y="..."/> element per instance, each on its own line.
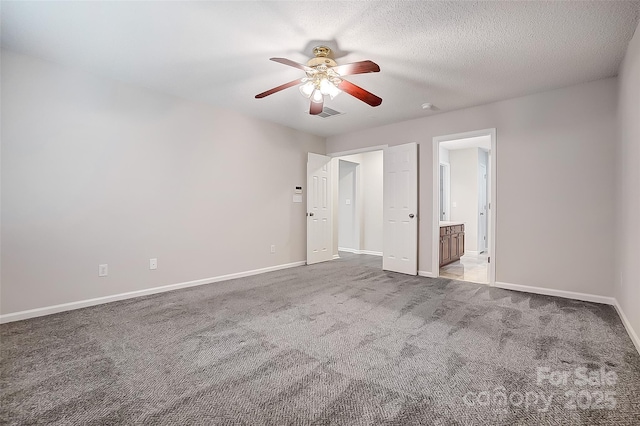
<point x="451" y="243"/>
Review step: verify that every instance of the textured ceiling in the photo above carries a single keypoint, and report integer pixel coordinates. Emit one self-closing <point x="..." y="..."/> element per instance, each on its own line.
<point x="452" y="54"/>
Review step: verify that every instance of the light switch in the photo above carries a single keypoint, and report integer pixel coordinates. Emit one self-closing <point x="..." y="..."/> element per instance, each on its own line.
<point x="348" y="201"/>
<point x="103" y="270"/>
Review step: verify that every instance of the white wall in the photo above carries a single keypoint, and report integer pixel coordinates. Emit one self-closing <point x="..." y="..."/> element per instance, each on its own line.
<point x="628" y="197"/>
<point x="372" y="165"/>
<point x="96" y="171"/>
<point x="348" y="222"/>
<point x="555" y="182"/>
<point x="464" y="193"/>
<point x="355" y="159"/>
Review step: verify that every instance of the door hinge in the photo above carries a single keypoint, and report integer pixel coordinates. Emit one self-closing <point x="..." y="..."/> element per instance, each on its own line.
<point x="489" y="259"/>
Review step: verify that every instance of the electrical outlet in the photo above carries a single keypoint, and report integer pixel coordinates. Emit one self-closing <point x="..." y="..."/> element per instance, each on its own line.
<point x="153" y="263"/>
<point x="103" y="270"/>
<point x="273" y="248"/>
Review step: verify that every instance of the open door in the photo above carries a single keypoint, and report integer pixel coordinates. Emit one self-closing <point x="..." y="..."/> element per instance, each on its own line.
<point x="400" y="204"/>
<point x="319" y="212"/>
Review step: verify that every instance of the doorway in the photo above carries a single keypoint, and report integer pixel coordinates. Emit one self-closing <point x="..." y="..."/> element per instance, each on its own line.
<point x="397" y="190"/>
<point x="399" y="177"/>
<point x="464" y="206"/>
<point x="350" y="212"/>
<point x="358" y="212"/>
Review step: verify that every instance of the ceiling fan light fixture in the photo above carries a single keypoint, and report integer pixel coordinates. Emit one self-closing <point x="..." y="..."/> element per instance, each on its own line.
<point x="327" y="87"/>
<point x="317" y="96"/>
<point x="307" y="89"/>
<point x="324" y="86"/>
<point x="320" y="85"/>
<point x="334" y="91"/>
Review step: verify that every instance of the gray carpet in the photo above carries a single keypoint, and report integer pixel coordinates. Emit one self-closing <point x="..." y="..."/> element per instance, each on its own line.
<point x="336" y="343"/>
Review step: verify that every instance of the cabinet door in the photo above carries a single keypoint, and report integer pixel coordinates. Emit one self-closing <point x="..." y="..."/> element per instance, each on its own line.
<point x="454" y="247"/>
<point x="461" y="244"/>
<point x="445" y="249"/>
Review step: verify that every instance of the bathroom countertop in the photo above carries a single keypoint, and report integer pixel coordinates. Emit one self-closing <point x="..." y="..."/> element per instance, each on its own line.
<point x="445" y="223"/>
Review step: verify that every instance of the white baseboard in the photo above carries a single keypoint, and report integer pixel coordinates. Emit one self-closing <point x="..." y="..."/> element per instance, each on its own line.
<point x="48" y="310"/>
<point x="355" y="251"/>
<point x="579" y="296"/>
<point x="336" y="256"/>
<point x="630" y="331"/>
<point x="427" y="274"/>
<point x="371" y="253"/>
<point x="349" y="250"/>
<point x="558" y="293"/>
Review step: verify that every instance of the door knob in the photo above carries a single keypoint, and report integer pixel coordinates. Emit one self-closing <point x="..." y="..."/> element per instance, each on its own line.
<point x="411" y="215"/>
<point x="311" y="214"/>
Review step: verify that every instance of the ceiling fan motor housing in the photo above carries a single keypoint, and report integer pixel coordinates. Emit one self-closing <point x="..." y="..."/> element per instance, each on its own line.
<point x="321" y="57"/>
<point x="321" y="51"/>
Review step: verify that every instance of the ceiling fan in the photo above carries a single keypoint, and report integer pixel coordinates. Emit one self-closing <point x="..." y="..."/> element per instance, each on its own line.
<point x="325" y="77"/>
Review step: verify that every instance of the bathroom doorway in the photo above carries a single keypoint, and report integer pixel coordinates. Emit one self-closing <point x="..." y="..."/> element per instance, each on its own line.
<point x="464" y="191"/>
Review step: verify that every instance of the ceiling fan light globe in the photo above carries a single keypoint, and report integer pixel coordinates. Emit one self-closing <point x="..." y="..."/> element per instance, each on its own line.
<point x="334" y="91"/>
<point x="307" y="89"/>
<point x="317" y="97"/>
<point x="325" y="86"/>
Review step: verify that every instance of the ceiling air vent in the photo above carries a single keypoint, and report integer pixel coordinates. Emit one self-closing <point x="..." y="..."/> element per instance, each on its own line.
<point x="328" y="112"/>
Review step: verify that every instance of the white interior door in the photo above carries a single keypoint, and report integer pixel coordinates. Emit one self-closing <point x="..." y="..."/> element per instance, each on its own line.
<point x="482" y="208"/>
<point x="400" y="209"/>
<point x="319" y="212"/>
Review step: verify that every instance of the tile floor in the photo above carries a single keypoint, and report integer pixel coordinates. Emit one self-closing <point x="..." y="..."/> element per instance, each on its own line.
<point x="470" y="267"/>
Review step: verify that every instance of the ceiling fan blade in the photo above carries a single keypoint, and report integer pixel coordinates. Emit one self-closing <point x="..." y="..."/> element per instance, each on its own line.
<point x="292" y="64"/>
<point x="279" y="88"/>
<point x="316" y="108"/>
<point x="360" y="93"/>
<point x="356" y="68"/>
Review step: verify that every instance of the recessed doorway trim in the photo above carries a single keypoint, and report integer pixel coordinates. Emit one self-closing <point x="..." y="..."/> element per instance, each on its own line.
<point x="435" y="249"/>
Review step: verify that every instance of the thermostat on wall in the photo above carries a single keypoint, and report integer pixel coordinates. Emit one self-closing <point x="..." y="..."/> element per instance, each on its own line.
<point x="298" y="190"/>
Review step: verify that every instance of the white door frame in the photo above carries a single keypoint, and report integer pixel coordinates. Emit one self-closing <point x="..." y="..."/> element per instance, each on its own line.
<point x="447" y="190"/>
<point x="492" y="172"/>
<point x="483" y="209"/>
<point x="358" y="151"/>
